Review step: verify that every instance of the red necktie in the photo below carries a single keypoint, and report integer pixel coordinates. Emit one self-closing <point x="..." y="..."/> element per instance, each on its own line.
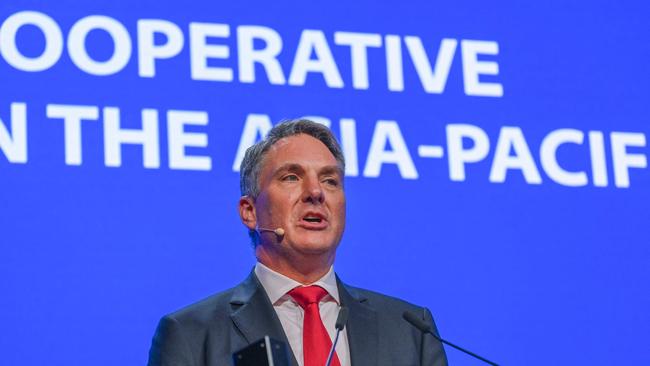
<point x="316" y="343"/>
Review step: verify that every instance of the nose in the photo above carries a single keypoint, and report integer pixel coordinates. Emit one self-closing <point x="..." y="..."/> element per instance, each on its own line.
<point x="313" y="192"/>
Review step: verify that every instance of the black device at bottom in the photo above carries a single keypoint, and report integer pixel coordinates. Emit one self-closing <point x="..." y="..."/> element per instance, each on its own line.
<point x="263" y="352"/>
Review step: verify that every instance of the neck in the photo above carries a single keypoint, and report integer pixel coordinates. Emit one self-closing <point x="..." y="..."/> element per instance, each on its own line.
<point x="305" y="269"/>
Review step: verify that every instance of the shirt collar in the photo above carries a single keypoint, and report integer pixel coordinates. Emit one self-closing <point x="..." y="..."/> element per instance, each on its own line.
<point x="277" y="285"/>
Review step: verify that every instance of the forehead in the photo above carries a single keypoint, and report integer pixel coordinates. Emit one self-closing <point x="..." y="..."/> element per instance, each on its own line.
<point x="300" y="149"/>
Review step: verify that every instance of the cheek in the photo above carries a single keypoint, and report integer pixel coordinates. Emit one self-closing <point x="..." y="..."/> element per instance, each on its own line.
<point x="269" y="208"/>
<point x="282" y="207"/>
<point x="340" y="211"/>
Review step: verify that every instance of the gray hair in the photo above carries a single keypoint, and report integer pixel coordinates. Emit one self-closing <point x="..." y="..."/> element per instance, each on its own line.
<point x="251" y="165"/>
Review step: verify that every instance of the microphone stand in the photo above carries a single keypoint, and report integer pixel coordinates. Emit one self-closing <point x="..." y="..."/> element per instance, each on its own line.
<point x="341" y="319"/>
<point x="426" y="328"/>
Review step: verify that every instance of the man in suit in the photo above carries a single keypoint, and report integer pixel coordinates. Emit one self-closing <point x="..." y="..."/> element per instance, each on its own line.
<point x="293" y="204"/>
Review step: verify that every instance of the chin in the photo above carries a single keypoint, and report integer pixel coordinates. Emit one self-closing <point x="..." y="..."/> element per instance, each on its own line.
<point x="315" y="245"/>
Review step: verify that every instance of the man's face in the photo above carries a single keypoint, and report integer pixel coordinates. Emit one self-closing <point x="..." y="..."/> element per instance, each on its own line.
<point x="301" y="191"/>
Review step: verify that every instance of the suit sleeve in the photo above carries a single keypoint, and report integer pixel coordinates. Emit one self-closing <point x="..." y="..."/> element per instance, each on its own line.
<point x="433" y="353"/>
<point x="169" y="346"/>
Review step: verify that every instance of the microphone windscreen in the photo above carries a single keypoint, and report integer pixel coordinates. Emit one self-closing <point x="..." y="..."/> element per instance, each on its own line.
<point x="342" y="318"/>
<point x="279" y="231"/>
<point x="417" y="322"/>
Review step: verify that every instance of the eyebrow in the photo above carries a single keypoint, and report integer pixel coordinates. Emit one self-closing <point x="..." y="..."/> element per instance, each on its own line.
<point x="332" y="169"/>
<point x="294" y="167"/>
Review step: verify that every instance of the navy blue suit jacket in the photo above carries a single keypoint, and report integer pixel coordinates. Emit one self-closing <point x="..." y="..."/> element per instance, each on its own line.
<point x="208" y="332"/>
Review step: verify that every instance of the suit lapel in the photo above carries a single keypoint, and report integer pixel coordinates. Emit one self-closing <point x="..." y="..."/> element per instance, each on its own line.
<point x="361" y="327"/>
<point x="253" y="314"/>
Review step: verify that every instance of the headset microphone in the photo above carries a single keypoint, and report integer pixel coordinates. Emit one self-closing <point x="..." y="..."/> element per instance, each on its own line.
<point x="279" y="231"/>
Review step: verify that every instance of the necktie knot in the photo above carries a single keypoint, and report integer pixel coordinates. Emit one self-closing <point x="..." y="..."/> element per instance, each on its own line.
<point x="307" y="295"/>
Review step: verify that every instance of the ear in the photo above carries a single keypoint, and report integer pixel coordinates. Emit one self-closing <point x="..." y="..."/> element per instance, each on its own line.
<point x="247" y="212"/>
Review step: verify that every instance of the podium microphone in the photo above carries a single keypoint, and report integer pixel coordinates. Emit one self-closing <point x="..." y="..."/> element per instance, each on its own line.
<point x="341" y="319"/>
<point x="279" y="231"/>
<point x="426" y="328"/>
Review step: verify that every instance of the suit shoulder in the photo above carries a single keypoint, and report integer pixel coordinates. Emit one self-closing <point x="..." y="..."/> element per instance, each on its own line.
<point x="390" y="310"/>
<point x="204" y="311"/>
<point x="181" y="336"/>
<point x="383" y="301"/>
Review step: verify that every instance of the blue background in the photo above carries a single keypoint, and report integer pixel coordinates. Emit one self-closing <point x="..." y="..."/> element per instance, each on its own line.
<point x="92" y="256"/>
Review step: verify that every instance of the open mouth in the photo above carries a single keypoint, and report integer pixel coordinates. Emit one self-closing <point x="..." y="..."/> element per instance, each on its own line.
<point x="313" y="219"/>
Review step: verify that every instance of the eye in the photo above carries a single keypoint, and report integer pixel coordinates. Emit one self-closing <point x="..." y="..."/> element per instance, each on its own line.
<point x="332" y="182"/>
<point x="290" y="178"/>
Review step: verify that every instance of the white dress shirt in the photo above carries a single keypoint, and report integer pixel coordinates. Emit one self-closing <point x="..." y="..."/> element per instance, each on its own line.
<point x="291" y="314"/>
